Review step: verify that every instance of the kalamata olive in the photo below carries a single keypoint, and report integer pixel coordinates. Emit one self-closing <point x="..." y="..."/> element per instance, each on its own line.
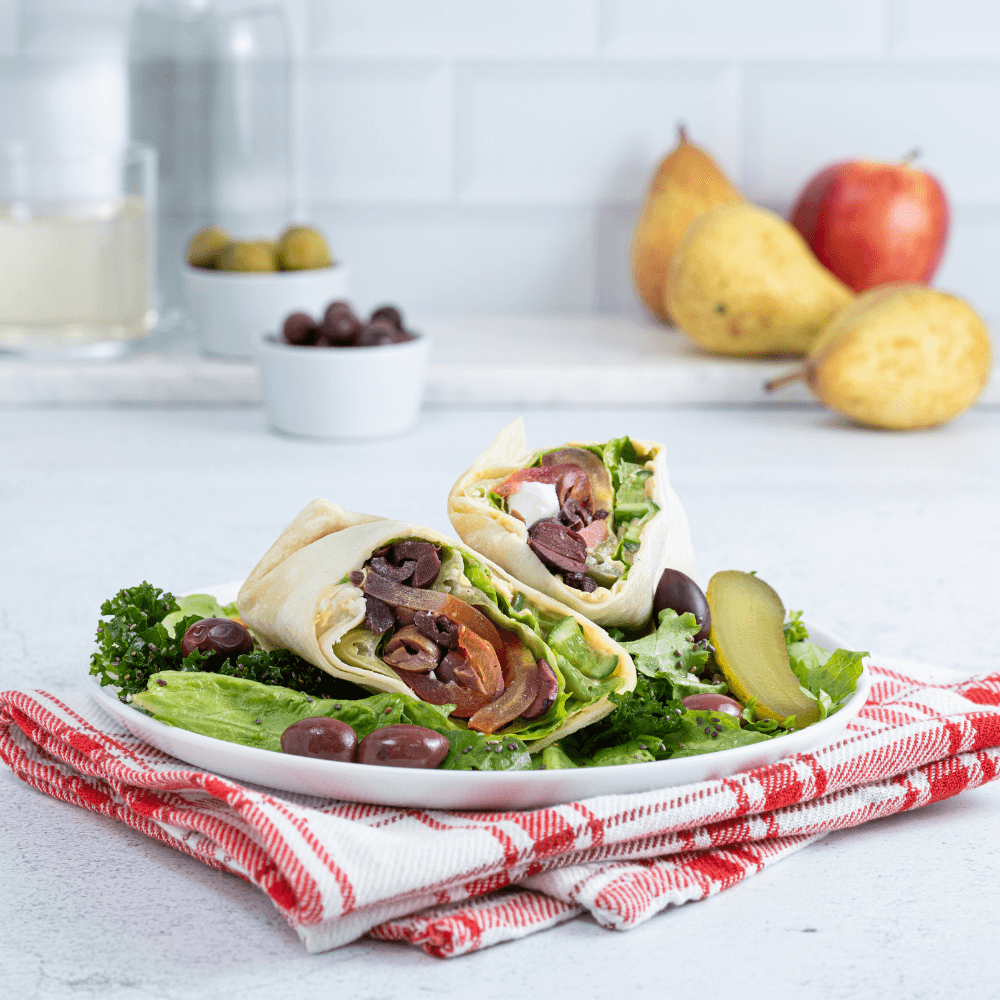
<point x="548" y="691"/>
<point x="403" y="745"/>
<point x="299" y="329"/>
<point x="391" y="313"/>
<point x="224" y="637"/>
<point x="711" y="702"/>
<point x="319" y="736"/>
<point x="679" y="592"/>
<point x="377" y="333"/>
<point x="340" y="326"/>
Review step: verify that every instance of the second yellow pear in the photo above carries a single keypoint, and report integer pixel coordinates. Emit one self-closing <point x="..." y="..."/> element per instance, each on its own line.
<point x="686" y="184"/>
<point x="743" y="282"/>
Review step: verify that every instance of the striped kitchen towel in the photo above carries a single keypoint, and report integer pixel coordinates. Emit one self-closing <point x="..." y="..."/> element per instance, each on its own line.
<point x="454" y="882"/>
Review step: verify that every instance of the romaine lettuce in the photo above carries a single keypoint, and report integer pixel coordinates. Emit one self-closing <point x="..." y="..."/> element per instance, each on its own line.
<point x="253" y="714"/>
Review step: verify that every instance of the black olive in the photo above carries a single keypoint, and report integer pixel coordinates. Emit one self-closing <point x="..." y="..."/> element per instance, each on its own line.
<point x="223" y="637"/>
<point x="322" y="737"/>
<point x="403" y="745"/>
<point x="679" y="592"/>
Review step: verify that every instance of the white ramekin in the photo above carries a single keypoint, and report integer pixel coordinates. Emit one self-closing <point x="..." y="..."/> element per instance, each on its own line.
<point x="342" y="392"/>
<point x="234" y="310"/>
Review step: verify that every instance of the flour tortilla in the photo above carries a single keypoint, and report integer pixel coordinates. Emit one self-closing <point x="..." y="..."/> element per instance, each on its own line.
<point x="294" y="599"/>
<point x="664" y="540"/>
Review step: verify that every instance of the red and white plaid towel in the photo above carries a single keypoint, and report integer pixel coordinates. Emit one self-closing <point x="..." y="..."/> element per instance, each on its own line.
<point x="454" y="882"/>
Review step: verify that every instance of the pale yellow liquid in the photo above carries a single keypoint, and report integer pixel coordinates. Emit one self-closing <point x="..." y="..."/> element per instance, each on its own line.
<point x="75" y="275"/>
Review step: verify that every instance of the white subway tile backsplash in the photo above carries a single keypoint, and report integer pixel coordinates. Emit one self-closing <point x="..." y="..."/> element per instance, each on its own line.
<point x="934" y="29"/>
<point x="455" y="28"/>
<point x="970" y="268"/>
<point x="75" y="28"/>
<point x="467" y="156"/>
<point x="63" y="104"/>
<point x="10" y="27"/>
<point x="716" y="28"/>
<point x="797" y="123"/>
<point x="586" y="133"/>
<point x="456" y="260"/>
<point x="376" y="131"/>
<point x="614" y="291"/>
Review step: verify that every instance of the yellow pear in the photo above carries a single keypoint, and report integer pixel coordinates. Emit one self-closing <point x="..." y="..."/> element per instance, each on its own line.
<point x="687" y="183"/>
<point x="744" y="282"/>
<point x="899" y="357"/>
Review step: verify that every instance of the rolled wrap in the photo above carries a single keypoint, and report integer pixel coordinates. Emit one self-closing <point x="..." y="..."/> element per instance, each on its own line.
<point x="664" y="540"/>
<point x="295" y="599"/>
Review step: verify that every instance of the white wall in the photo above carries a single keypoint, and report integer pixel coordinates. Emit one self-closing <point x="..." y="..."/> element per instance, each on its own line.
<point x="472" y="155"/>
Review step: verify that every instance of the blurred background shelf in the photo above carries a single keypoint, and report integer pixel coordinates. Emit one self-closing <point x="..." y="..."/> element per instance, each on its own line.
<point x="530" y="360"/>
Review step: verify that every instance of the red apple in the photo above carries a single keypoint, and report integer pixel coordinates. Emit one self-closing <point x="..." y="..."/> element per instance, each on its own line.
<point x="874" y="223"/>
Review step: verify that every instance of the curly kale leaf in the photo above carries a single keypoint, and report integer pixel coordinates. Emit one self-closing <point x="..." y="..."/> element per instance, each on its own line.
<point x="132" y="641"/>
<point x="281" y="667"/>
<point x="647" y="715"/>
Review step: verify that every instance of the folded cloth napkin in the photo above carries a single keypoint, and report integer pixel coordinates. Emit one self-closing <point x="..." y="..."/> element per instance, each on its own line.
<point x="454" y="882"/>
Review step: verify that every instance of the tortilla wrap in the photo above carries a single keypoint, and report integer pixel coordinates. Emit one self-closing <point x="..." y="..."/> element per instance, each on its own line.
<point x="295" y="599"/>
<point x="664" y="540"/>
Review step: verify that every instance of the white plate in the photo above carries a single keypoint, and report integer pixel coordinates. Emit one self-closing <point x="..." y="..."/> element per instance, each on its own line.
<point x="504" y="790"/>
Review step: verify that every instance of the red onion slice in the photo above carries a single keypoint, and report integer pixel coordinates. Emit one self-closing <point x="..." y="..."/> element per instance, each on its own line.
<point x="399" y="595"/>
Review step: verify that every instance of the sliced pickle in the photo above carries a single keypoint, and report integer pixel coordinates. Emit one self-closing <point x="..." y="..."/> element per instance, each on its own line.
<point x="748" y="633"/>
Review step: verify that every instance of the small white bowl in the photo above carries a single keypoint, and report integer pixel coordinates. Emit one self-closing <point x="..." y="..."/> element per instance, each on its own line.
<point x="343" y="392"/>
<point x="235" y="309"/>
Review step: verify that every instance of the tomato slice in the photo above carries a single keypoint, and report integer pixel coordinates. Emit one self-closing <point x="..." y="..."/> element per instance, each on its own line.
<point x="519" y="695"/>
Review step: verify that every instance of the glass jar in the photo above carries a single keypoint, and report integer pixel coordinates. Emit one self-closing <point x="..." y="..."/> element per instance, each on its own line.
<point x="77" y="250"/>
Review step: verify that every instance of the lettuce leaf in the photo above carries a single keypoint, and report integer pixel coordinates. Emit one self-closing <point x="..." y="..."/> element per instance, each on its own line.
<point x="670" y="649"/>
<point x="472" y="751"/>
<point x="199" y="606"/>
<point x="671" y="654"/>
<point x="253" y="714"/>
<point x="828" y="678"/>
<point x="707" y="732"/>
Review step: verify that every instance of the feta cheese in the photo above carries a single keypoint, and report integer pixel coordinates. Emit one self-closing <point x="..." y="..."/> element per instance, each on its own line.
<point x="533" y="501"/>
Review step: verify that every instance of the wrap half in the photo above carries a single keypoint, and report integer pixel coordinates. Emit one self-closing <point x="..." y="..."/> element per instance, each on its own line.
<point x="644" y="530"/>
<point x="393" y="606"/>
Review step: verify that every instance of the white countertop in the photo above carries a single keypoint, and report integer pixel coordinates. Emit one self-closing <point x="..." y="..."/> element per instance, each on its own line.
<point x="891" y="540"/>
<point x="526" y="360"/>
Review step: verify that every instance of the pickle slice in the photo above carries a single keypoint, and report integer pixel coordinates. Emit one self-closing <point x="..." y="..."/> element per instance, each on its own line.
<point x="748" y="633"/>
